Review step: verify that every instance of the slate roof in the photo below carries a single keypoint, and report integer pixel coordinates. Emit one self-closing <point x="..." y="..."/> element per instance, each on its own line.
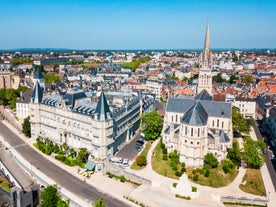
<point x="37" y="93"/>
<point x="182" y="104"/>
<point x="26" y="97"/>
<point x="38" y="74"/>
<point x="196" y="115"/>
<point x="71" y="96"/>
<point x="102" y="108"/>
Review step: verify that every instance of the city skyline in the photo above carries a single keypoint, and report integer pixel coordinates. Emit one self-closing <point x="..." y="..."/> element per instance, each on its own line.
<point x="125" y="25"/>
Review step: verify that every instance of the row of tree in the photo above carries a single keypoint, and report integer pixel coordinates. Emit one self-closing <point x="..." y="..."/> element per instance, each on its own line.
<point x="135" y="63"/>
<point x="8" y="96"/>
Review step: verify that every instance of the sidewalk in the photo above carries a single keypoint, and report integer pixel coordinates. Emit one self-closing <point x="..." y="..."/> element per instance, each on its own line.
<point x="158" y="194"/>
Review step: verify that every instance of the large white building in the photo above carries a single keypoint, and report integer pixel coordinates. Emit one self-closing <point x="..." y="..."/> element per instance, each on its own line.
<point x="195" y="126"/>
<point x="102" y="127"/>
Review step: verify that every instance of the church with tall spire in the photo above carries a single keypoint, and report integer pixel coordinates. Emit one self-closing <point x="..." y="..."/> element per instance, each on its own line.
<point x="195" y="126"/>
<point x="205" y="73"/>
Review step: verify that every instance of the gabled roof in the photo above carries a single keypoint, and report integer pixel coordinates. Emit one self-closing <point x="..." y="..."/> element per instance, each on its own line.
<point x="37" y="93"/>
<point x="196" y="115"/>
<point x="102" y="108"/>
<point x="71" y="96"/>
<point x="38" y="74"/>
<point x="203" y="95"/>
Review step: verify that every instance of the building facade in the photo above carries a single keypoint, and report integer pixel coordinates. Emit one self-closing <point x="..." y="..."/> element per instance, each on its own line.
<point x="72" y="118"/>
<point x="195" y="126"/>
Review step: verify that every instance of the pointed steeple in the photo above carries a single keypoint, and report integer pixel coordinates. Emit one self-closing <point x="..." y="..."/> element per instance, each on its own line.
<point x="206" y="50"/>
<point x="102" y="108"/>
<point x="37" y="93"/>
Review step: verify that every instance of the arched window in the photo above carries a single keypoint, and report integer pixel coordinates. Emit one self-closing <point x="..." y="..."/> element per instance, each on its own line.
<point x="185" y="130"/>
<point x="213" y="123"/>
<point x="198" y="132"/>
<point x="222" y="124"/>
<point x="217" y="122"/>
<point x="192" y="132"/>
<point x="176" y="118"/>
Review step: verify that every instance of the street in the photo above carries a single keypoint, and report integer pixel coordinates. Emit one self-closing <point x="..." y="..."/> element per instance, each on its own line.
<point x="269" y="165"/>
<point x="63" y="178"/>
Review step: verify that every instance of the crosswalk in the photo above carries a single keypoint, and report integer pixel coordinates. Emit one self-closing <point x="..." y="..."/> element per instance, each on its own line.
<point x="15" y="146"/>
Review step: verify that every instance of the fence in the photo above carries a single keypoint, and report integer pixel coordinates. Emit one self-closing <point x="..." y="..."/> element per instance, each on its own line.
<point x="244" y="200"/>
<point x="119" y="170"/>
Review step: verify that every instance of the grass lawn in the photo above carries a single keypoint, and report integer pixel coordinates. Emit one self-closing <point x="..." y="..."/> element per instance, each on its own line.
<point x="217" y="177"/>
<point x="253" y="182"/>
<point x="134" y="166"/>
<point x="161" y="166"/>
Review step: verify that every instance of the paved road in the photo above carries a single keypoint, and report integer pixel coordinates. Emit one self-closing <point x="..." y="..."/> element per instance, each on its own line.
<point x="128" y="151"/>
<point x="63" y="178"/>
<point x="269" y="165"/>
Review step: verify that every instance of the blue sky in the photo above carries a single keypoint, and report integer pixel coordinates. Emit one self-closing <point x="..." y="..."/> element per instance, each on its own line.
<point x="137" y="24"/>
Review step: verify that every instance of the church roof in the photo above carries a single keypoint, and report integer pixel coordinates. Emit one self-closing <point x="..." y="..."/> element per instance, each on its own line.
<point x="196" y="115"/>
<point x="37" y="93"/>
<point x="38" y="74"/>
<point x="102" y="108"/>
<point x="203" y="95"/>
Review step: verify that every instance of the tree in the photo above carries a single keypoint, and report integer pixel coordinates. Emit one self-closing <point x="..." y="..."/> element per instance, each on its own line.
<point x="211" y="160"/>
<point x="239" y="123"/>
<point x="82" y="155"/>
<point x="151" y="125"/>
<point x="253" y="152"/>
<point x="51" y="78"/>
<point x="248" y="79"/>
<point x="141" y="160"/>
<point x="234" y="154"/>
<point x="49" y="196"/>
<point x="233" y="79"/>
<point x="99" y="203"/>
<point x="26" y="127"/>
<point x="218" y="78"/>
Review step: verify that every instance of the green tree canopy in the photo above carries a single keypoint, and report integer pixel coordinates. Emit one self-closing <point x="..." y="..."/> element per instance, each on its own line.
<point x="211" y="160"/>
<point x="233" y="79"/>
<point x="99" y="203"/>
<point x="49" y="196"/>
<point x="141" y="160"/>
<point x="239" y="122"/>
<point x="135" y="63"/>
<point x="21" y="60"/>
<point x="26" y="127"/>
<point x="253" y="152"/>
<point x="218" y="78"/>
<point x="151" y="125"/>
<point x="234" y="154"/>
<point x="247" y="79"/>
<point x="82" y="154"/>
<point x="51" y="78"/>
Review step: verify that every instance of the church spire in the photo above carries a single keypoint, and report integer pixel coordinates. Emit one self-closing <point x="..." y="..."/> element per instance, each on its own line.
<point x="206" y="50"/>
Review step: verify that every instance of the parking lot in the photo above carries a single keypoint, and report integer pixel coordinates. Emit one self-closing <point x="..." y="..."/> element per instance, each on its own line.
<point x="129" y="151"/>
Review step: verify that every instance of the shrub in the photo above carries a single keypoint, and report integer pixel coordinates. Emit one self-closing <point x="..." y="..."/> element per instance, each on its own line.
<point x="183" y="197"/>
<point x="207" y="172"/>
<point x="62" y="158"/>
<point x="228" y="167"/>
<point x="141" y="160"/>
<point x="183" y="169"/>
<point x="202" y="171"/>
<point x="211" y="160"/>
<point x="67" y="161"/>
<point x="183" y="164"/>
<point x="194" y="171"/>
<point x="162" y="146"/>
<point x="174" y="185"/>
<point x="174" y="167"/>
<point x="178" y="174"/>
<point x="165" y="151"/>
<point x="190" y="176"/>
<point x="165" y="157"/>
<point x="195" y="178"/>
<point x="194" y="189"/>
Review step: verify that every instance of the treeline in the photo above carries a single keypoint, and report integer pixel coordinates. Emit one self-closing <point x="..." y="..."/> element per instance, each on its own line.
<point x="21" y="60"/>
<point x="51" y="78"/>
<point x="8" y="96"/>
<point x="135" y="63"/>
